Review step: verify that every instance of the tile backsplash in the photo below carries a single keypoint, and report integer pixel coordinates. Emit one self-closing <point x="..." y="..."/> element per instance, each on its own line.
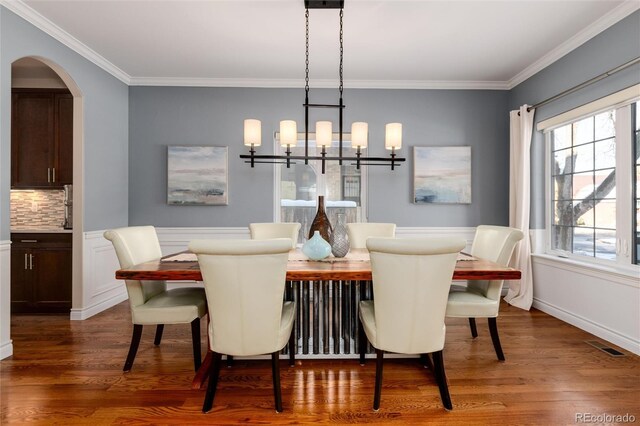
<point x="38" y="209"/>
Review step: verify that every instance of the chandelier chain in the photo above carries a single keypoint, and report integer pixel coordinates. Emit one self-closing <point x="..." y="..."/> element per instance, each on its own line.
<point x="306" y="61"/>
<point x="341" y="51"/>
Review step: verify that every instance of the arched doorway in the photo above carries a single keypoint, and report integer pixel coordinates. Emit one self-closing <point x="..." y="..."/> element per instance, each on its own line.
<point x="39" y="72"/>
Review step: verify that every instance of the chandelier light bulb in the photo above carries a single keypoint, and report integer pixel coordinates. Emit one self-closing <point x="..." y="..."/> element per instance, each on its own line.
<point x="393" y="136"/>
<point x="288" y="133"/>
<point x="252" y="132"/>
<point x="359" y="134"/>
<point x="324" y="134"/>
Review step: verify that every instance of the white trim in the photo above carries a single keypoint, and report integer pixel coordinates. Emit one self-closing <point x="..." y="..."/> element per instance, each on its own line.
<point x="6" y="345"/>
<point x="6" y="349"/>
<point x="617" y="275"/>
<point x="612" y="101"/>
<point x="320" y="83"/>
<point x="96" y="308"/>
<point x="30" y="15"/>
<point x="606" y="21"/>
<point x="589" y="326"/>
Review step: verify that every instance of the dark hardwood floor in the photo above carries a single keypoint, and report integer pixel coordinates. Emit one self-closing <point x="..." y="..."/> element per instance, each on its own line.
<point x="70" y="372"/>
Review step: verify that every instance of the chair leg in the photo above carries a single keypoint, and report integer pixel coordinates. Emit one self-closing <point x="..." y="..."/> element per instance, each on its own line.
<point x="214" y="373"/>
<point x="292" y="349"/>
<point x="472" y="325"/>
<point x="275" y="372"/>
<point x="229" y="361"/>
<point x="378" y="390"/>
<point x="362" y="339"/>
<point x="158" y="338"/>
<point x="426" y="361"/>
<point x="133" y="348"/>
<point x="441" y="378"/>
<point x="495" y="338"/>
<point x="195" y="336"/>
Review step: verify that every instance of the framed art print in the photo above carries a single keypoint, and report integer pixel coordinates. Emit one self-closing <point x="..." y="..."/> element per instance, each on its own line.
<point x="197" y="175"/>
<point x="442" y="174"/>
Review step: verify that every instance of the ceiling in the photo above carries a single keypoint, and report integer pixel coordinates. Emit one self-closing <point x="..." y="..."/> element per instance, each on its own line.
<point x="393" y="43"/>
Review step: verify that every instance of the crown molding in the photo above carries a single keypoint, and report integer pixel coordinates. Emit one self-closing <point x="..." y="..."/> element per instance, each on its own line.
<point x="606" y="21"/>
<point x="319" y="84"/>
<point x="30" y="15"/>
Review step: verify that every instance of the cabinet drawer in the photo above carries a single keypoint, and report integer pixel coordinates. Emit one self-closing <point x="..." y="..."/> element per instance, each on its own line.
<point x="41" y="240"/>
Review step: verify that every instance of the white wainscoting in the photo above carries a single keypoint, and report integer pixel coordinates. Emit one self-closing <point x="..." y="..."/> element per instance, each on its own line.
<point x="6" y="345"/>
<point x="602" y="303"/>
<point x="100" y="289"/>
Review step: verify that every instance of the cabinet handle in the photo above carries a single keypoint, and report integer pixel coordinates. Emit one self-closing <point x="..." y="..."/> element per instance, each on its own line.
<point x="54" y="174"/>
<point x="49" y="174"/>
<point x="30" y="261"/>
<point x="28" y="241"/>
<point x="25" y="261"/>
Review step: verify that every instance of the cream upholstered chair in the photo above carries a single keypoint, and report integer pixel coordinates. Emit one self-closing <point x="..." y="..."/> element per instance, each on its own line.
<point x="150" y="301"/>
<point x="481" y="299"/>
<point x="411" y="281"/>
<point x="269" y="230"/>
<point x="244" y="281"/>
<point x="359" y="232"/>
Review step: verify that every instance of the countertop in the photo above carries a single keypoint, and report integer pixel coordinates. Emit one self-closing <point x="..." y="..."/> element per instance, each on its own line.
<point x="41" y="231"/>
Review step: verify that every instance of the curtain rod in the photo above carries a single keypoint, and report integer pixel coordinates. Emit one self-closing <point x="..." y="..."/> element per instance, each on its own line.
<point x="585" y="84"/>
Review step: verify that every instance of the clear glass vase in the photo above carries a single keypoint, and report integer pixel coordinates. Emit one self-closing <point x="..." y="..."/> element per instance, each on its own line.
<point x="339" y="239"/>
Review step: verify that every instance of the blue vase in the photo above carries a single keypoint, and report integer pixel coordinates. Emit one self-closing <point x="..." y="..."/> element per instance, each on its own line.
<point x="316" y="248"/>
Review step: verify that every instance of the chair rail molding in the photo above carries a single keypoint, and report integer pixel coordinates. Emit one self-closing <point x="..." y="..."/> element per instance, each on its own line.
<point x="6" y="345"/>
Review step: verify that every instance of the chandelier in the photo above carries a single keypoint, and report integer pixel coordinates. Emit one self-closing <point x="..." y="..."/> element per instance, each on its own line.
<point x="323" y="133"/>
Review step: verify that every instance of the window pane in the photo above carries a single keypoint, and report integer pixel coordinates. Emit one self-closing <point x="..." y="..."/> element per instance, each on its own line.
<point x="583" y="241"/>
<point x="605" y="154"/>
<point x="562" y="164"/>
<point x="605" y="125"/>
<point x="605" y="214"/>
<point x="561" y="137"/>
<point x="583" y="157"/>
<point x="582" y="185"/>
<point x="583" y="131"/>
<point x="562" y="238"/>
<point x="585" y="218"/>
<point x="562" y="187"/>
<point x="563" y="213"/>
<point x="605" y="183"/>
<point x="605" y="244"/>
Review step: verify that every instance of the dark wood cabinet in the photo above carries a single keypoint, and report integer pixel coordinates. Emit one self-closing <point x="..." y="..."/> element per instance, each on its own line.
<point x="40" y="273"/>
<point x="41" y="138"/>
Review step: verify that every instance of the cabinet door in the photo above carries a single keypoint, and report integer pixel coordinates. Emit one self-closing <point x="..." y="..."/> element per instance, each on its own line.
<point x="64" y="140"/>
<point x="52" y="270"/>
<point x="32" y="137"/>
<point x="21" y="281"/>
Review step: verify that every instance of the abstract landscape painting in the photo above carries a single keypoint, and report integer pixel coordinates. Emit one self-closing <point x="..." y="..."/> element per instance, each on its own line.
<point x="442" y="174"/>
<point x="197" y="175"/>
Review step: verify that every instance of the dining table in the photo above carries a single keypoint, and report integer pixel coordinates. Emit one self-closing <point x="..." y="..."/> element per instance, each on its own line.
<point x="327" y="293"/>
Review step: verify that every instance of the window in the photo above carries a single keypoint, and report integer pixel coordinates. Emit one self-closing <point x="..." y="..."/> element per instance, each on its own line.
<point x="298" y="187"/>
<point x="589" y="217"/>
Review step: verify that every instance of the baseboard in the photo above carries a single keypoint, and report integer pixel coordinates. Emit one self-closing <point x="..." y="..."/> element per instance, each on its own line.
<point x="84" y="313"/>
<point x="6" y="350"/>
<point x="589" y="326"/>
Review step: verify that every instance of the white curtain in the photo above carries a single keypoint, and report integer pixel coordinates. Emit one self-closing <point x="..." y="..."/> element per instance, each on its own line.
<point x="520" y="292"/>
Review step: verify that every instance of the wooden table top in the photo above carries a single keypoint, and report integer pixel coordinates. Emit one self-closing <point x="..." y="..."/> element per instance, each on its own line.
<point x="355" y="266"/>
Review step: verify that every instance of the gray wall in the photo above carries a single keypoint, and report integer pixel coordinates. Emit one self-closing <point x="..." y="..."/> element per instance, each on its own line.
<point x="162" y="116"/>
<point x="615" y="46"/>
<point x="106" y="115"/>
